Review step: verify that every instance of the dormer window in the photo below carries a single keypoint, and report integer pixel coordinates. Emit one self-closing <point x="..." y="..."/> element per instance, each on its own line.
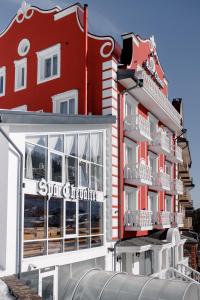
<point x="2" y="81"/>
<point x="48" y="64"/>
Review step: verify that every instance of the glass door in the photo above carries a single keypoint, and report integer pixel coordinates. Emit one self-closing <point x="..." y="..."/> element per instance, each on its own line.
<point x="48" y="285"/>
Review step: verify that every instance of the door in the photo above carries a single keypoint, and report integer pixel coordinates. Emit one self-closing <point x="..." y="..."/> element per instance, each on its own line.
<point x="48" y="285"/>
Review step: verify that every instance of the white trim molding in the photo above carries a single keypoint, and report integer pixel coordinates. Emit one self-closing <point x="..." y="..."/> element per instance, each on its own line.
<point x="65" y="96"/>
<point x="2" y="81"/>
<point x="20" y="74"/>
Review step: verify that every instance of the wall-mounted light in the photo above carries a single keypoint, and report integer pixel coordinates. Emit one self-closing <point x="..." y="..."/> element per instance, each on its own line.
<point x="137" y="254"/>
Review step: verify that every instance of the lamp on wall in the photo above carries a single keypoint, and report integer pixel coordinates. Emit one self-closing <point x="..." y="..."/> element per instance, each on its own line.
<point x="137" y="254"/>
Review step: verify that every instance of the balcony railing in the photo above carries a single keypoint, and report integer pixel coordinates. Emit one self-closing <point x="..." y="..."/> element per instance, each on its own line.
<point x="160" y="143"/>
<point x="178" y="187"/>
<point x="179" y="154"/>
<point x="138" y="220"/>
<point x="138" y="174"/>
<point x="177" y="219"/>
<point x="137" y="127"/>
<point x="161" y="181"/>
<point x="161" y="219"/>
<point x="159" y="98"/>
<point x="175" y="154"/>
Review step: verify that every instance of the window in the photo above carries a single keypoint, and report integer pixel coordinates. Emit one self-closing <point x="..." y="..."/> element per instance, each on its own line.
<point x="153" y="125"/>
<point x="168" y="203"/>
<point x="152" y="202"/>
<point x="2" y="81"/>
<point x="153" y="164"/>
<point x="20" y="74"/>
<point x="130" y="152"/>
<point x="49" y="64"/>
<point x="168" y="168"/>
<point x="23" y="47"/>
<point x="130" y="199"/>
<point x="66" y="103"/>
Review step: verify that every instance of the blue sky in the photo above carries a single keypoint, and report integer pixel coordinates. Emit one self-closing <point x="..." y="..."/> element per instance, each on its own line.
<point x="176" y="27"/>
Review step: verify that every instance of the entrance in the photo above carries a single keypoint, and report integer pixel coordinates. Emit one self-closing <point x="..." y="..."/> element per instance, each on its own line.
<point x="48" y="285"/>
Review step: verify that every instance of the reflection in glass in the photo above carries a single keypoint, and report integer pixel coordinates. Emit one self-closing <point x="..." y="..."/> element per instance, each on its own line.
<point x="55" y="220"/>
<point x="97" y="147"/>
<point x="96" y="177"/>
<point x="32" y="249"/>
<point x="84" y="146"/>
<point x="38" y="139"/>
<point x="84" y="217"/>
<point x="56" y="142"/>
<point x="72" y="144"/>
<point x="96" y="241"/>
<point x="35" y="162"/>
<point x="56" y="167"/>
<point x="47" y="288"/>
<point x="71" y="170"/>
<point x="84" y="243"/>
<point x="55" y="246"/>
<point x="83" y="174"/>
<point x="96" y="217"/>
<point x="35" y="218"/>
<point x="70" y="245"/>
<point x="70" y="217"/>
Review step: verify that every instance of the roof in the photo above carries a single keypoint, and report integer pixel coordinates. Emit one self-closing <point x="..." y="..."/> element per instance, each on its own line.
<point x="21" y="117"/>
<point x="141" y="241"/>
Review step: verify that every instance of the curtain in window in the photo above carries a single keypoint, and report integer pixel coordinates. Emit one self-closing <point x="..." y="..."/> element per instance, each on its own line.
<point x="70" y="139"/>
<point x="83" y="146"/>
<point x="29" y="163"/>
<point x="95" y="146"/>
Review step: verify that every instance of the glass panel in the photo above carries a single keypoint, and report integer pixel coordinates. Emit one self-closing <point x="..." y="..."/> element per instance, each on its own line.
<point x="84" y="146"/>
<point x="168" y="168"/>
<point x="33" y="249"/>
<point x="56" y="167"/>
<point x="47" y="67"/>
<point x="55" y="65"/>
<point x="168" y="203"/>
<point x="70" y="217"/>
<point x="47" y="288"/>
<point x="96" y="177"/>
<point x="84" y="217"/>
<point x="56" y="142"/>
<point x="72" y="144"/>
<point x="130" y="200"/>
<point x="96" y="218"/>
<point x="83" y="174"/>
<point x="38" y="139"/>
<point x="22" y="76"/>
<point x="35" y="218"/>
<point x="1" y="84"/>
<point x="84" y="243"/>
<point x="71" y="106"/>
<point x="70" y="245"/>
<point x="55" y="226"/>
<point x="55" y="246"/>
<point x="72" y="170"/>
<point x="64" y="108"/>
<point x="97" y="147"/>
<point x="96" y="241"/>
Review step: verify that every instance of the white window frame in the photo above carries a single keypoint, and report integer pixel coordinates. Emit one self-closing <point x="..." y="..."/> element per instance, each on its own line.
<point x="128" y="189"/>
<point x="168" y="197"/>
<point x="22" y="63"/>
<point x="156" y="198"/>
<point x="154" y="120"/>
<point x="63" y="97"/>
<point x="3" y="74"/>
<point x="130" y="144"/>
<point x="133" y="103"/>
<point x="154" y="156"/>
<point x="170" y="164"/>
<point x="42" y="56"/>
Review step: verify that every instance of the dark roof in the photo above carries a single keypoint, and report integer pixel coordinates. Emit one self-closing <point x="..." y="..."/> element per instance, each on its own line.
<point x="160" y="234"/>
<point x="140" y="241"/>
<point x="22" y="117"/>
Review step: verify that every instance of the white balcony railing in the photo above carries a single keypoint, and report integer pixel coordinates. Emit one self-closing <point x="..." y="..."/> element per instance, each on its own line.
<point x="178" y="187"/>
<point x="159" y="98"/>
<point x="179" y="154"/>
<point x="160" y="143"/>
<point x="161" y="219"/>
<point x="177" y="219"/>
<point x="138" y="220"/>
<point x="139" y="174"/>
<point x="137" y="127"/>
<point x="175" y="154"/>
<point x="161" y="181"/>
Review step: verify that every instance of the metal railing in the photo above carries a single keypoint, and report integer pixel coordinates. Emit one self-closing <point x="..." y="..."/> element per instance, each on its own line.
<point x="138" y="218"/>
<point x="179" y="153"/>
<point x="162" y="218"/>
<point x="165" y="180"/>
<point x="188" y="271"/>
<point x="161" y="139"/>
<point x="138" y="171"/>
<point x="138" y="123"/>
<point x="179" y="186"/>
<point x="162" y="101"/>
<point x="173" y="273"/>
<point x="177" y="218"/>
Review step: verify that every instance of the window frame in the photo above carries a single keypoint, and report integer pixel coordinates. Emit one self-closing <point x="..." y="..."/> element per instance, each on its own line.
<point x="65" y="97"/>
<point x="42" y="56"/>
<point x="19" y="64"/>
<point x="128" y="190"/>
<point x="3" y="74"/>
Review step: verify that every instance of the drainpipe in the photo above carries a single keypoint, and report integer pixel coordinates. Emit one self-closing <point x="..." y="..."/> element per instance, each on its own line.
<point x="20" y="194"/>
<point x="85" y="59"/>
<point x="139" y="83"/>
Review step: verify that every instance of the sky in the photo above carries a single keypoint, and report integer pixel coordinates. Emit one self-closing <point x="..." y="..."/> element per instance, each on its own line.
<point x="175" y="25"/>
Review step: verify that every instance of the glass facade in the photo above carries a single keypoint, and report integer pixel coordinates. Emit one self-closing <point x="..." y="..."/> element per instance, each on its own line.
<point x="53" y="224"/>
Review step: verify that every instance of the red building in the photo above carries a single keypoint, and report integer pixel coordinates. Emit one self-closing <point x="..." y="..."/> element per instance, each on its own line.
<point x="56" y="65"/>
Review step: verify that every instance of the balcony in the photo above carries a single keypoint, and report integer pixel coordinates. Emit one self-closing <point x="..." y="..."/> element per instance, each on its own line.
<point x="137" y="174"/>
<point x="177" y="219"/>
<point x="178" y="187"/>
<point x="138" y="220"/>
<point x="160" y="143"/>
<point x="137" y="128"/>
<point x="161" y="219"/>
<point x="161" y="181"/>
<point x="176" y="155"/>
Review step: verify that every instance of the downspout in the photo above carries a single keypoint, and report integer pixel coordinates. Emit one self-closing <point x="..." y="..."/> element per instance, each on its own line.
<point x="139" y="83"/>
<point x="20" y="194"/>
<point x="85" y="59"/>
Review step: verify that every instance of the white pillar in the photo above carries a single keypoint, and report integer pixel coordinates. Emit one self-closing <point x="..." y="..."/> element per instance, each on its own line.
<point x="157" y="261"/>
